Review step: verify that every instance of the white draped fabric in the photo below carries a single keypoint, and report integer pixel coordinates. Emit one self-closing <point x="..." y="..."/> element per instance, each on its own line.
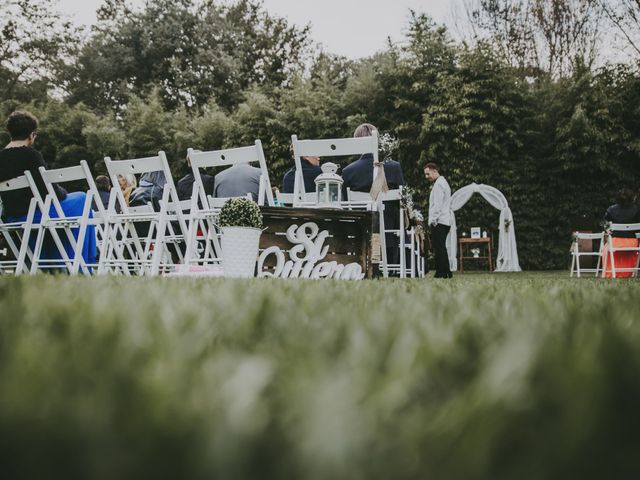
<point x="507" y="260"/>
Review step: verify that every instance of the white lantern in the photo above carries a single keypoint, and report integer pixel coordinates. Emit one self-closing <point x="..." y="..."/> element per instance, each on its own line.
<point x="329" y="187"/>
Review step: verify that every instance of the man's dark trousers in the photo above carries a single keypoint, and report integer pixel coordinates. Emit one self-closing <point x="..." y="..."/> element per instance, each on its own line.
<point x="440" y="233"/>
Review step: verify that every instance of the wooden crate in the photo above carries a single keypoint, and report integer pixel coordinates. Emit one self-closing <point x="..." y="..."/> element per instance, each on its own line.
<point x="349" y="237"/>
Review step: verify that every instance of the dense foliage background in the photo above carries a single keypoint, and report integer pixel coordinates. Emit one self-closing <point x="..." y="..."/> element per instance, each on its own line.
<point x="557" y="130"/>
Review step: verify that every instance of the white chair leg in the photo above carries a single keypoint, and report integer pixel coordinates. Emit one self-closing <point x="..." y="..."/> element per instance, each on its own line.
<point x="24" y="245"/>
<point x="613" y="261"/>
<point x="403" y="252"/>
<point x="383" y="240"/>
<point x="159" y="242"/>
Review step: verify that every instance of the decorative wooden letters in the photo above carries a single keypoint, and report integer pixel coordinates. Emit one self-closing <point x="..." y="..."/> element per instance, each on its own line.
<point x="308" y="250"/>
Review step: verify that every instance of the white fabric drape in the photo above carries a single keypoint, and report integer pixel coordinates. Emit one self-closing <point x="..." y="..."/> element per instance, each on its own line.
<point x="507" y="260"/>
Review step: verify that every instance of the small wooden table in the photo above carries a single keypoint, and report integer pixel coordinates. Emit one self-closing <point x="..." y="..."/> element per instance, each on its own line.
<point x="467" y="242"/>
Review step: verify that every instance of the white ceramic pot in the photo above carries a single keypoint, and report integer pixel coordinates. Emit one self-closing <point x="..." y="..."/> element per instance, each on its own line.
<point x="240" y="251"/>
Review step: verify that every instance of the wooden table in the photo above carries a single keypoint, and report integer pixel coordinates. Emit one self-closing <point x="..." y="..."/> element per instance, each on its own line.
<point x="467" y="242"/>
<point x="349" y="238"/>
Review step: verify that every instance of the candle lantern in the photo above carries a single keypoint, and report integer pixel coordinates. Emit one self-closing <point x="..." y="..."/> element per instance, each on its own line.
<point x="329" y="187"/>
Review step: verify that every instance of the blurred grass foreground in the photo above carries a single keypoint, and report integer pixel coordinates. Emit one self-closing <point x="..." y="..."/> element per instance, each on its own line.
<point x="484" y="377"/>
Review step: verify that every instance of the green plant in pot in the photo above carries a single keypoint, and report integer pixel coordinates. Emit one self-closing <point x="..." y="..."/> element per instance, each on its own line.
<point x="241" y="223"/>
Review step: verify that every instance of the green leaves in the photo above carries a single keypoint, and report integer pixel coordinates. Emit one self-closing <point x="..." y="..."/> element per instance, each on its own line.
<point x="240" y="212"/>
<point x="36" y="43"/>
<point x="194" y="52"/>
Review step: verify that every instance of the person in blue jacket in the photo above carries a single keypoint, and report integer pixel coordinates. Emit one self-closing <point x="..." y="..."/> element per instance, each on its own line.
<point x="310" y="170"/>
<point x="358" y="175"/>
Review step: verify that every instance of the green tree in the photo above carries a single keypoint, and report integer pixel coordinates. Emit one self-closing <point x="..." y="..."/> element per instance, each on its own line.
<point x="147" y="124"/>
<point x="393" y="89"/>
<point x="35" y="43"/>
<point x="193" y="52"/>
<point x="541" y="35"/>
<point x="105" y="138"/>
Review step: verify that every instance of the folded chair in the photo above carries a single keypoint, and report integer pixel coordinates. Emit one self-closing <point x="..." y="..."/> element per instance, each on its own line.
<point x="308" y="199"/>
<point x="362" y="200"/>
<point x="338" y="147"/>
<point x="205" y="209"/>
<point x="125" y="250"/>
<point x="631" y="248"/>
<point x="18" y="234"/>
<point x="576" y="253"/>
<point x="88" y="224"/>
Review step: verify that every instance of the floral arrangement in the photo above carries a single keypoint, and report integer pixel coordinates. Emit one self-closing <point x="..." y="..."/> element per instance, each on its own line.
<point x="414" y="215"/>
<point x="388" y="145"/>
<point x="240" y="212"/>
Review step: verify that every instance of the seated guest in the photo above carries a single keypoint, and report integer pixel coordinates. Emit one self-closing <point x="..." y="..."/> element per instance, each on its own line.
<point x="185" y="184"/>
<point x="623" y="211"/>
<point x="149" y="190"/>
<point x="19" y="156"/>
<point x="237" y="181"/>
<point x="104" y="190"/>
<point x="359" y="176"/>
<point x="310" y="170"/>
<point x="127" y="185"/>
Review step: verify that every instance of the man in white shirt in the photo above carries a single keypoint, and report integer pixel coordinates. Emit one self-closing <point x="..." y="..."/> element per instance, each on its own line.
<point x="439" y="218"/>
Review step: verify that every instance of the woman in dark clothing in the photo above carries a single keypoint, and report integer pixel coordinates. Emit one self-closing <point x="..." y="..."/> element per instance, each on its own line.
<point x="623" y="211"/>
<point x="19" y="156"/>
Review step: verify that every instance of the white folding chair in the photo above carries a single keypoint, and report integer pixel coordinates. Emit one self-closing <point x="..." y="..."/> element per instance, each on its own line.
<point x="67" y="223"/>
<point x="339" y="147"/>
<point x="359" y="201"/>
<point x="18" y="234"/>
<point x="205" y="209"/>
<point x="419" y="258"/>
<point x="363" y="201"/>
<point x="576" y="253"/>
<point x="309" y="199"/>
<point x="414" y="259"/>
<point x="391" y="196"/>
<point x="124" y="250"/>
<point x="230" y="157"/>
<point x="611" y="249"/>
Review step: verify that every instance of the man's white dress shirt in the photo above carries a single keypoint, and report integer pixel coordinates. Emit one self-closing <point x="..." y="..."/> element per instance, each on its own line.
<point x="440" y="202"/>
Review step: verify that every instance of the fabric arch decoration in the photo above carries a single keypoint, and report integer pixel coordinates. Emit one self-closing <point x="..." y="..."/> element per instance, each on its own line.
<point x="507" y="260"/>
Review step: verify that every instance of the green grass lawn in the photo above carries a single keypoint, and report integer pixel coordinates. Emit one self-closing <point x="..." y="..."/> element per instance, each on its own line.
<point x="486" y="376"/>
